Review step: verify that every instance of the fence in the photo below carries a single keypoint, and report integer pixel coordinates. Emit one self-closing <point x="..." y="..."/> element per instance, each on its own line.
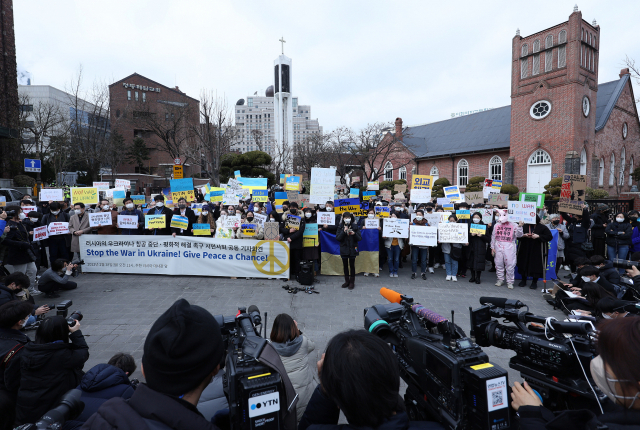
<point x="616" y="206"/>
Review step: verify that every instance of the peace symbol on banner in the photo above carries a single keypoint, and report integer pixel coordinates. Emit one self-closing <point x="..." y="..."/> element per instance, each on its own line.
<point x="271" y="261"/>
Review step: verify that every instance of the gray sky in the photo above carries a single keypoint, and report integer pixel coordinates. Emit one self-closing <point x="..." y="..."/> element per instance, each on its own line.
<point x="354" y="61"/>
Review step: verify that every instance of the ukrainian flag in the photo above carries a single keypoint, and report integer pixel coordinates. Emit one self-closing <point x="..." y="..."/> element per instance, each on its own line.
<point x="366" y="261"/>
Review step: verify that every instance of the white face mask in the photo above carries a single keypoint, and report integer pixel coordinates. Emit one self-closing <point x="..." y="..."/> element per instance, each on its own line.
<point x="34" y="219"/>
<point x="55" y="212"/>
<point x="606" y="384"/>
<point x="329" y="208"/>
<point x="620" y="219"/>
<point x="24" y="324"/>
<point x="347" y="221"/>
<point x="607" y="317"/>
<point x="476" y="220"/>
<point x="105" y="207"/>
<point x="223" y="214"/>
<point x="321" y="206"/>
<point x="129" y="205"/>
<point x="307" y="215"/>
<point x="586" y="278"/>
<point x="205" y="213"/>
<point x="159" y="204"/>
<point x="371" y="216"/>
<point x="418" y="217"/>
<point x="21" y="215"/>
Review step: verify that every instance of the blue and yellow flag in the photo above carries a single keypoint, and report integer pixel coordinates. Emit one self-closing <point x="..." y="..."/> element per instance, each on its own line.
<point x="366" y="261"/>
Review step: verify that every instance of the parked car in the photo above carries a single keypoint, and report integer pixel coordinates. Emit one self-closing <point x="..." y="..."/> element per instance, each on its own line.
<point x="12" y="196"/>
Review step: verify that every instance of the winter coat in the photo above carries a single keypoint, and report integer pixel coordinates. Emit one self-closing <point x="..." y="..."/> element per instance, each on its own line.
<point x="635" y="239"/>
<point x="530" y="251"/>
<point x="166" y="231"/>
<point x="478" y="249"/>
<point x="10" y="378"/>
<point x="597" y="231"/>
<point x="422" y="223"/>
<point x="258" y="235"/>
<point x="61" y="217"/>
<point x="296" y="236"/>
<point x="295" y="357"/>
<point x="18" y="242"/>
<point x="76" y="224"/>
<point x="610" y="273"/>
<point x="48" y="371"/>
<point x="132" y="231"/>
<point x="619" y="233"/>
<point x="213" y="399"/>
<point x="564" y="234"/>
<point x="614" y="418"/>
<point x="389" y="240"/>
<point x="191" y="216"/>
<point x="147" y="404"/>
<point x="109" y="229"/>
<point x="579" y="230"/>
<point x="348" y="243"/>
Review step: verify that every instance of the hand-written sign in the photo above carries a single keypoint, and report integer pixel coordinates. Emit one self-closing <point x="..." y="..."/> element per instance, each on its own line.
<point x="231" y="222"/>
<point x="498" y="199"/>
<point x="40" y="233"/>
<point x="433" y="218"/>
<point x="98" y="219"/>
<point x="373" y="186"/>
<point x="292" y="221"/>
<point x="123" y="183"/>
<point x="400" y="188"/>
<point x="260" y="219"/>
<point x="292" y="196"/>
<point x="88" y="196"/>
<point x="182" y="188"/>
<point x="423" y="235"/>
<point x="101" y="186"/>
<point x="271" y="231"/>
<point x="202" y="229"/>
<point x="367" y="195"/>
<point x="178" y="221"/>
<point x="453" y="233"/>
<point x="326" y="218"/>
<point x="474" y="197"/>
<point x="504" y="232"/>
<point x="248" y="229"/>
<point x="53" y="194"/>
<point x="395" y="227"/>
<point x="128" y="221"/>
<point x="383" y="211"/>
<point x="260" y="196"/>
<point x="422" y="182"/>
<point x="346" y="205"/>
<point x="293" y="183"/>
<point x="420" y="195"/>
<point x="452" y="193"/>
<point x="487" y="215"/>
<point x="522" y="211"/>
<point x="572" y="193"/>
<point x="155" y="221"/>
<point x="372" y="223"/>
<point x="57" y="228"/>
<point x="480" y="229"/>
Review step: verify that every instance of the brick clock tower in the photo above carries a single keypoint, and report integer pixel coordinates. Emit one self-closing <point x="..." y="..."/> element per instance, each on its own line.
<point x="554" y="84"/>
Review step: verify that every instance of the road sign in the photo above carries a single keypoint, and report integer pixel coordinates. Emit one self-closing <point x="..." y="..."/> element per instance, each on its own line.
<point x="32" y="165"/>
<point x="178" y="172"/>
<point x="177" y="161"/>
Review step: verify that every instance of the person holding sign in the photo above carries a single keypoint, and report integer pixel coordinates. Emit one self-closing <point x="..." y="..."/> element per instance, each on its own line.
<point x="348" y="236"/>
<point x="394" y="245"/>
<point x="451" y="252"/>
<point x="311" y="253"/>
<point x="130" y="209"/>
<point x="78" y="225"/>
<point x="206" y="217"/>
<point x="419" y="251"/>
<point x="160" y="209"/>
<point x="108" y="229"/>
<point x="20" y="256"/>
<point x="362" y="224"/>
<point x="478" y="239"/>
<point x="531" y="252"/>
<point x="255" y="233"/>
<point x="223" y="232"/>
<point x="294" y="238"/>
<point x="57" y="243"/>
<point x="503" y="247"/>
<point x="183" y="210"/>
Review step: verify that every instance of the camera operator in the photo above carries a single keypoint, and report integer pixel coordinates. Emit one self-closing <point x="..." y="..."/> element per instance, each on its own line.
<point x="57" y="278"/>
<point x="13" y="316"/>
<point x="615" y="371"/>
<point x="611" y="308"/>
<point x="11" y="289"/>
<point x="182" y="353"/>
<point x="359" y="375"/>
<point x="50" y="366"/>
<point x="20" y="254"/>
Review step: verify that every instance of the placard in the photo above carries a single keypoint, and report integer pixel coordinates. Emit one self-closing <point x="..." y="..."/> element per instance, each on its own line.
<point x="271" y="230"/>
<point x="372" y="223"/>
<point x="123" y="183"/>
<point x="503" y="232"/>
<point x="487" y="215"/>
<point x="474" y="197"/>
<point x="230" y="199"/>
<point x="293" y="183"/>
<point x="128" y="221"/>
<point x="420" y="195"/>
<point x="237" y="174"/>
<point x="3" y="201"/>
<point x="463" y="214"/>
<point x="260" y="219"/>
<point x="27" y="209"/>
<point x="292" y="221"/>
<point x="383" y="211"/>
<point x="572" y="194"/>
<point x="346" y="205"/>
<point x="400" y="188"/>
<point x="231" y="221"/>
<point x="487" y="183"/>
<point x="422" y="182"/>
<point x="367" y="195"/>
<point x="326" y="218"/>
<point x="373" y="186"/>
<point x="452" y="193"/>
<point x="498" y="199"/>
<point x="433" y="218"/>
<point x="292" y="196"/>
<point x="201" y="229"/>
<point x="178" y="221"/>
<point x="53" y="194"/>
<point x="98" y="219"/>
<point x="399" y="198"/>
<point x="422" y="235"/>
<point x="536" y="198"/>
<point x="118" y="197"/>
<point x="321" y="193"/>
<point x="452" y="232"/>
<point x="443" y="201"/>
<point x="88" y="196"/>
<point x="480" y="229"/>
<point x="101" y="186"/>
<point x="260" y="196"/>
<point x="496" y="184"/>
<point x="57" y="228"/>
<point x="182" y="188"/>
<point x="354" y="193"/>
<point x="310" y="236"/>
<point x="155" y="221"/>
<point x="139" y="199"/>
<point x="40" y="233"/>
<point x="197" y="208"/>
<point x="522" y="211"/>
<point x="395" y="227"/>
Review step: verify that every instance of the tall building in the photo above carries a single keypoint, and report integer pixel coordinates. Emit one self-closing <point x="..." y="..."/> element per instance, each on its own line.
<point x="282" y="103"/>
<point x="8" y="86"/>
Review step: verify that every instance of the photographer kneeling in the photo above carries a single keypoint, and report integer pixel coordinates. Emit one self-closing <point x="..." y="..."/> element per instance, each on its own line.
<point x="360" y="376"/>
<point x="57" y="278"/>
<point x="615" y="371"/>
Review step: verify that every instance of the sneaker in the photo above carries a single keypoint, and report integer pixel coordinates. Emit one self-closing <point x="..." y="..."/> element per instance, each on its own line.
<point x="510" y="286"/>
<point x="377" y="275"/>
<point x="34" y="292"/>
<point x="395" y="275"/>
<point x="435" y="266"/>
<point x="499" y="284"/>
<point x="567" y="268"/>
<point x="391" y="275"/>
<point x="424" y="276"/>
<point x="366" y="273"/>
<point x="431" y="270"/>
<point x="381" y="269"/>
<point x="454" y="279"/>
<point x="448" y="278"/>
<point x="413" y="276"/>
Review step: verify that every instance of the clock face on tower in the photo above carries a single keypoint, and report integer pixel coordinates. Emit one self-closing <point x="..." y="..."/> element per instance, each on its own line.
<point x="586" y="106"/>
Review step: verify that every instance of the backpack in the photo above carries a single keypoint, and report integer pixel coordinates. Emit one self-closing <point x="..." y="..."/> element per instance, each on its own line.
<point x="305" y="273"/>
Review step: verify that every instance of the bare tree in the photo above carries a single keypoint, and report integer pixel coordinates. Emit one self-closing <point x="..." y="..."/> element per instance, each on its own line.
<point x="116" y="149"/>
<point x="281" y="160"/>
<point x="38" y="122"/>
<point x="311" y="152"/>
<point x="635" y="71"/>
<point x="258" y="139"/>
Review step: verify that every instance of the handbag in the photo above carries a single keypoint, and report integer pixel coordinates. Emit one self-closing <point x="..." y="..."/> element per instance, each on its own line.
<point x="587" y="245"/>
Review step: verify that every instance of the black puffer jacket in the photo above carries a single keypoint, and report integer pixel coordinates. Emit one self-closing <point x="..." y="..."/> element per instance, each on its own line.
<point x="348" y="243"/>
<point x="614" y="418"/>
<point x="619" y="233"/>
<point x="18" y="243"/>
<point x="297" y="236"/>
<point x="48" y="371"/>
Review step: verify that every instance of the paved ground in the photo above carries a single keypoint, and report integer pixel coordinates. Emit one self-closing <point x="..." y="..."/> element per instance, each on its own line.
<point x="119" y="309"/>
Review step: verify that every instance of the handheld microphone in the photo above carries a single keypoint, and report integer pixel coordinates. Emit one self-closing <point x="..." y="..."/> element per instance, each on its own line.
<point x="392" y="296"/>
<point x="501" y="302"/>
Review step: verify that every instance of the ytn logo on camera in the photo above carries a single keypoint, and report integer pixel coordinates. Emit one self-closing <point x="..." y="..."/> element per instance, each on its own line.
<point x="261" y="405"/>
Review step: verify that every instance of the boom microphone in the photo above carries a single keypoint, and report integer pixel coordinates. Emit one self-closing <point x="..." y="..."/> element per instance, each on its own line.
<point x="425" y="313"/>
<point x="392" y="296"/>
<point x="501" y="302"/>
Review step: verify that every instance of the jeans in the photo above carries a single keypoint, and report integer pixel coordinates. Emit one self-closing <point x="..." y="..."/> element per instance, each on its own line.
<point x="31" y="320"/>
<point x="617" y="252"/>
<point x="451" y="265"/>
<point x="28" y="269"/>
<point x="51" y="287"/>
<point x="393" y="258"/>
<point x="422" y="252"/>
<point x="57" y="248"/>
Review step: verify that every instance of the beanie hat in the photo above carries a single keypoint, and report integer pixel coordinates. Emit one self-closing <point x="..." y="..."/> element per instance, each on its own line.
<point x="183" y="346"/>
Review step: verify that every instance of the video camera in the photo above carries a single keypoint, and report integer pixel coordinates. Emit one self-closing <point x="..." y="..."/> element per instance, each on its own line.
<point x="449" y="377"/>
<point x="63" y="311"/>
<point x="625" y="264"/>
<point x="70" y="407"/>
<point x="553" y="357"/>
<point x="255" y="381"/>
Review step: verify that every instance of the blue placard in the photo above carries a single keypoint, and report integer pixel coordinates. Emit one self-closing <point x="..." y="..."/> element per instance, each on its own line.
<point x="178" y="185"/>
<point x="310" y="230"/>
<point x="281" y="195"/>
<point x="32" y="165"/>
<point x="346" y="202"/>
<point x="237" y="174"/>
<point x="261" y="193"/>
<point x="354" y="191"/>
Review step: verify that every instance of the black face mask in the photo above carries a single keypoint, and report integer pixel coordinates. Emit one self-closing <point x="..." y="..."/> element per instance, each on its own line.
<point x="249" y="218"/>
<point x="182" y="206"/>
<point x="429" y="209"/>
<point x="556" y="222"/>
<point x="285" y="208"/>
<point x="293" y="211"/>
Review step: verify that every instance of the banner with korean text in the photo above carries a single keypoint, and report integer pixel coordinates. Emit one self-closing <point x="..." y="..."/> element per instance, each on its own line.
<point x="185" y="255"/>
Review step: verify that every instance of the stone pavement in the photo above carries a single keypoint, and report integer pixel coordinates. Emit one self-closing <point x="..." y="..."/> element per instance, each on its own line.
<point x="120" y="309"/>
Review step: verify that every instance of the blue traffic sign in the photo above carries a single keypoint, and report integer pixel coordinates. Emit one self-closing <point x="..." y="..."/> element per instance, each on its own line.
<point x="32" y="165"/>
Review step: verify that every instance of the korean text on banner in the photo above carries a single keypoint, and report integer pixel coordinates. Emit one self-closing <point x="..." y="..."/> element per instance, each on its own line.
<point x="572" y="194"/>
<point x="504" y="232"/>
<point x="155" y="221"/>
<point x="88" y="196"/>
<point x="372" y="223"/>
<point x="101" y="186"/>
<point x="181" y="256"/>
<point x="536" y="198"/>
<point x="99" y="219"/>
<point x="395" y="227"/>
<point x="57" y="228"/>
<point x="128" y="221"/>
<point x="326" y="218"/>
<point x="452" y="193"/>
<point x="453" y="233"/>
<point x="182" y="188"/>
<point x="480" y="229"/>
<point x="40" y="233"/>
<point x="123" y="183"/>
<point x="260" y="196"/>
<point x="201" y="230"/>
<point x="423" y="235"/>
<point x="52" y="194"/>
<point x="421" y="182"/>
<point x="27" y="209"/>
<point x="373" y="186"/>
<point x="522" y="211"/>
<point x="178" y="221"/>
<point x="310" y="235"/>
<point x="420" y="195"/>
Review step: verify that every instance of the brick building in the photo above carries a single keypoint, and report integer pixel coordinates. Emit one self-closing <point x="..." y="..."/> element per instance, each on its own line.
<point x="560" y="120"/>
<point x="8" y="88"/>
<point x="141" y="107"/>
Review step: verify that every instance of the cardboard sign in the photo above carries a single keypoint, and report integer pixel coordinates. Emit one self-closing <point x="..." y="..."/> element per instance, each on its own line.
<point x="496" y="185"/>
<point x="271" y="230"/>
<point x="128" y="221"/>
<point x="395" y="227"/>
<point x="260" y="196"/>
<point x="178" y="221"/>
<point x="98" y="219"/>
<point x="40" y="233"/>
<point x="522" y="211"/>
<point x="88" y="196"/>
<point x="155" y="221"/>
<point x="478" y="229"/>
<point x="372" y="223"/>
<point x="367" y="195"/>
<point x="54" y="194"/>
<point x="292" y="221"/>
<point x="373" y="186"/>
<point x="421" y="182"/>
<point x="248" y="229"/>
<point x="383" y="211"/>
<point x="452" y="193"/>
<point x="422" y="235"/>
<point x="572" y="194"/>
<point x="453" y="233"/>
<point x="536" y="198"/>
<point x="503" y="232"/>
<point x="487" y="215"/>
<point x="292" y="196"/>
<point x="310" y="236"/>
<point x="462" y="214"/>
<point x="399" y="198"/>
<point x="123" y="183"/>
<point x="201" y="230"/>
<point x="420" y="195"/>
<point x="57" y="228"/>
<point x="101" y="186"/>
<point x="474" y="197"/>
<point x="385" y="194"/>
<point x="326" y="218"/>
<point x="400" y="188"/>
<point x="498" y="199"/>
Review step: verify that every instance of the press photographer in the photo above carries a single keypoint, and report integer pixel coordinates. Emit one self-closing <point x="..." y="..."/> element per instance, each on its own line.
<point x="20" y="256"/>
<point x="56" y="278"/>
<point x="13" y="288"/>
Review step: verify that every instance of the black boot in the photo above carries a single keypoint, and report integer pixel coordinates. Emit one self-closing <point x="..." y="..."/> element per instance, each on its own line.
<point x="493" y="267"/>
<point x="478" y="277"/>
<point x="534" y="284"/>
<point x="523" y="283"/>
<point x="473" y="276"/>
<point x="346" y="281"/>
<point x="352" y="281"/>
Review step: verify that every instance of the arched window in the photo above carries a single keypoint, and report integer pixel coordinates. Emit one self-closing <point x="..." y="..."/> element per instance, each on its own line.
<point x="388" y="171"/>
<point x="548" y="60"/>
<point x="535" y="70"/>
<point x="612" y="170"/>
<point x="536" y="45"/>
<point x="601" y="173"/>
<point x="622" y="163"/>
<point x="435" y="173"/>
<point x="562" y="37"/>
<point x="548" y="41"/>
<point x="582" y="34"/>
<point x="403" y="173"/>
<point x="583" y="162"/>
<point x="540" y="157"/>
<point x="630" y="171"/>
<point x="495" y="168"/>
<point x="463" y="173"/>
<point x="525" y="50"/>
<point x="562" y="51"/>
<point x="524" y="68"/>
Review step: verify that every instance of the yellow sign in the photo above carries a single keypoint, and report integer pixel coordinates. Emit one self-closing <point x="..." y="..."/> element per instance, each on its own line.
<point x="155" y="221"/>
<point x="477" y="229"/>
<point x="189" y="195"/>
<point x="88" y="196"/>
<point x="178" y="172"/>
<point x="421" y="182"/>
<point x="271" y="260"/>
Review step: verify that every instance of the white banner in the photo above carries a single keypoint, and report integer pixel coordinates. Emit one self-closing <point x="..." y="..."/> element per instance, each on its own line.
<point x="423" y="235"/>
<point x="326" y="218"/>
<point x="123" y="183"/>
<point x="101" y="186"/>
<point x="128" y="221"/>
<point x="420" y="196"/>
<point x="260" y="219"/>
<point x="51" y="194"/>
<point x="99" y="219"/>
<point x="372" y="223"/>
<point x="321" y="193"/>
<point x="395" y="227"/>
<point x="522" y="211"/>
<point x="184" y="255"/>
<point x="453" y="233"/>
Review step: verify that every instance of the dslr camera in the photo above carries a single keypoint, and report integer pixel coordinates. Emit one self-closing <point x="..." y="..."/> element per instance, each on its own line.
<point x="63" y="311"/>
<point x="70" y="408"/>
<point x="255" y="381"/>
